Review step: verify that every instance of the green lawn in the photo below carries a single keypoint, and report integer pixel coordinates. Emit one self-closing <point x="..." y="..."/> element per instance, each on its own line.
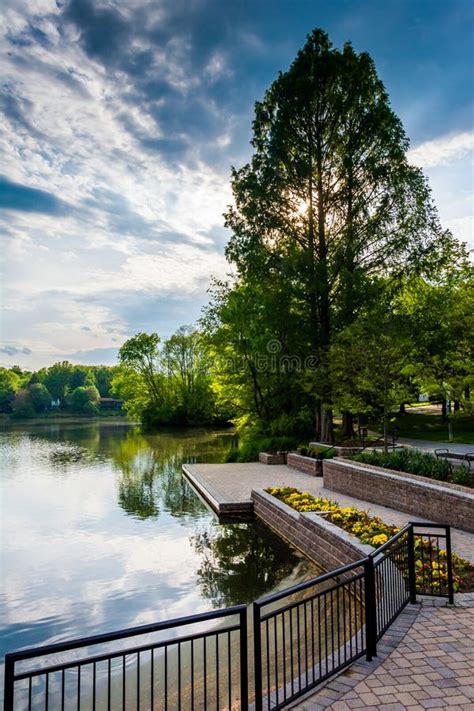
<point x="420" y="425"/>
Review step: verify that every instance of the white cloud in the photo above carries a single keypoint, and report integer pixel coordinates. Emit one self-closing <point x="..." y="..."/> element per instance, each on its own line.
<point x="442" y="150"/>
<point x="136" y="223"/>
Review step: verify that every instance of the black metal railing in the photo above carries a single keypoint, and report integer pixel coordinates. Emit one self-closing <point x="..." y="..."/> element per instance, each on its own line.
<point x="301" y="636"/>
<point x="198" y="669"/>
<point x="432" y="560"/>
<point x="392" y="564"/>
<point x="317" y="630"/>
<point x="323" y="625"/>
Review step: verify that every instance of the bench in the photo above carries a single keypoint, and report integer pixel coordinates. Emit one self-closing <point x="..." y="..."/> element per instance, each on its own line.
<point x="467" y="458"/>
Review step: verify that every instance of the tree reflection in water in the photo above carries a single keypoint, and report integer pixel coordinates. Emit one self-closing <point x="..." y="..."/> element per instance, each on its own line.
<point x="150" y="476"/>
<point x="240" y="562"/>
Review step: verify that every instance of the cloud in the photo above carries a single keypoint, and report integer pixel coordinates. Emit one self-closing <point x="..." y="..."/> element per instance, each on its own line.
<point x="14" y="196"/>
<point x="442" y="150"/>
<point x="15" y="350"/>
<point x="104" y="356"/>
<point x="119" y="125"/>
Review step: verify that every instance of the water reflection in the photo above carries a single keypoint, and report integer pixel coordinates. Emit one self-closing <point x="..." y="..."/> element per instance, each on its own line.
<point x="100" y="531"/>
<point x="240" y="561"/>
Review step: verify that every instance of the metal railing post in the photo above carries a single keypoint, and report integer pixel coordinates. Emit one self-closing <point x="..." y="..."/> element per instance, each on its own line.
<point x="450" y="566"/>
<point x="257" y="656"/>
<point x="370" y="609"/>
<point x="9" y="691"/>
<point x="411" y="566"/>
<point x="244" y="670"/>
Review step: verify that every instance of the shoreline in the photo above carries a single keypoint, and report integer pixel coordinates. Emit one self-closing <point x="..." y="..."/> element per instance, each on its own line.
<point x="120" y="420"/>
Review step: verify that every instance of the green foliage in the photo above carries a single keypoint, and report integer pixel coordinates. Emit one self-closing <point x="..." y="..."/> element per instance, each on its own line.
<point x="22" y="407"/>
<point x="57" y="378"/>
<point x="169" y="384"/>
<point x="9" y="386"/>
<point x="250" y="445"/>
<point x="57" y="382"/>
<point x="85" y="400"/>
<point x="321" y="453"/>
<point x="328" y="217"/>
<point x="39" y="397"/>
<point x="414" y="461"/>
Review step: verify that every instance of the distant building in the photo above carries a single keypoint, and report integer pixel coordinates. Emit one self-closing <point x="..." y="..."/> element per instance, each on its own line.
<point x="110" y="403"/>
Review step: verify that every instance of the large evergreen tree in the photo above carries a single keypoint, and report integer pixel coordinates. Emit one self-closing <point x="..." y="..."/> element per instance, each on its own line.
<point x="328" y="200"/>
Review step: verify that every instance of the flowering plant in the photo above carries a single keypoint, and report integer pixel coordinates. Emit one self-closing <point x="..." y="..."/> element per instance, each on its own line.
<point x="431" y="567"/>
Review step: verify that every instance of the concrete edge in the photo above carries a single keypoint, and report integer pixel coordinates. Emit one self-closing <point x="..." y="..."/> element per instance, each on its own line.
<point x="212" y="496"/>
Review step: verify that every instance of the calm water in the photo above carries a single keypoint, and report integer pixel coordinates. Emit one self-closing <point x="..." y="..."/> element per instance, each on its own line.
<point x="100" y="531"/>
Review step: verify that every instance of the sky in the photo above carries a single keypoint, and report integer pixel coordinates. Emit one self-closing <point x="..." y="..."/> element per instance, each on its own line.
<point x="121" y="119"/>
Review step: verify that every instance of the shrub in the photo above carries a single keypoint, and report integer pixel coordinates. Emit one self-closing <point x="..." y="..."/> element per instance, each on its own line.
<point x="322" y="452"/>
<point x="411" y="461"/>
<point x="251" y="445"/>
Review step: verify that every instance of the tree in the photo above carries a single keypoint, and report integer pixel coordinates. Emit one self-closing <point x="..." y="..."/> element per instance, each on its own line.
<point x="186" y="364"/>
<point x="79" y="377"/>
<point x="57" y="380"/>
<point x="39" y="397"/>
<point x="140" y="354"/>
<point x="329" y="199"/>
<point x="85" y="400"/>
<point x="9" y="385"/>
<point x="103" y="375"/>
<point x="21" y="406"/>
<point x="441" y="318"/>
<point x="370" y="363"/>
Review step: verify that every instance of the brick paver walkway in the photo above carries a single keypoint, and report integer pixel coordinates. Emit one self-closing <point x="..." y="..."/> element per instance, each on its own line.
<point x="430" y="667"/>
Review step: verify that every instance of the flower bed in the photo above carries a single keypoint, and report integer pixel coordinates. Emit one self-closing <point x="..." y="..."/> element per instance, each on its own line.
<point x="412" y="461"/>
<point x="375" y="532"/>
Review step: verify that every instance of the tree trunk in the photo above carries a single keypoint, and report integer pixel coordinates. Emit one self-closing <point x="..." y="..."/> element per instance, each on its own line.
<point x="444" y="409"/>
<point x="347" y="424"/>
<point x="317" y="422"/>
<point x="402" y="410"/>
<point x="456" y="406"/>
<point x="327" y="429"/>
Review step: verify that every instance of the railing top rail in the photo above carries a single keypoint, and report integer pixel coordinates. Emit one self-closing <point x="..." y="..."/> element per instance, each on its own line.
<point x="85" y="661"/>
<point x="425" y="524"/>
<point x="123" y="634"/>
<point x="262" y="601"/>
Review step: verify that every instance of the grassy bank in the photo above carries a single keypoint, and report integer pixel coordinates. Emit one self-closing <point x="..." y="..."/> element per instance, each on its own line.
<point x="429" y="426"/>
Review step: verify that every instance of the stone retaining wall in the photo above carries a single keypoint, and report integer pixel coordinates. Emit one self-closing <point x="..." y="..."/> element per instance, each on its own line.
<point x="267" y="458"/>
<point x="425" y="498"/>
<point x="308" y="465"/>
<point x="320" y="540"/>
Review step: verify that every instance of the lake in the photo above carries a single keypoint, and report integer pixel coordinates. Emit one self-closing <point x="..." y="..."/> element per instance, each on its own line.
<point x="100" y="531"/>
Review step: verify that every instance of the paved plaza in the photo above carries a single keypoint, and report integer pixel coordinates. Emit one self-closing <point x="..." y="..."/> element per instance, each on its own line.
<point x="233" y="483"/>
<point x="426" y="661"/>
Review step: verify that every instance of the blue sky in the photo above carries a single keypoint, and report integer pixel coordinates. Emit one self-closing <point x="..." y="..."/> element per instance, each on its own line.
<point x="120" y="121"/>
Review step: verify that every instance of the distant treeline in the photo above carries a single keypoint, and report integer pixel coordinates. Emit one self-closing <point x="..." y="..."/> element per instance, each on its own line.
<point x="63" y="386"/>
<point x="169" y="383"/>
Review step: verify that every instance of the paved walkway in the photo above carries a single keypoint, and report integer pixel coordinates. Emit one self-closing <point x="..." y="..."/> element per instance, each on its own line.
<point x="233" y="483"/>
<point x="428" y="446"/>
<point x="425" y="662"/>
